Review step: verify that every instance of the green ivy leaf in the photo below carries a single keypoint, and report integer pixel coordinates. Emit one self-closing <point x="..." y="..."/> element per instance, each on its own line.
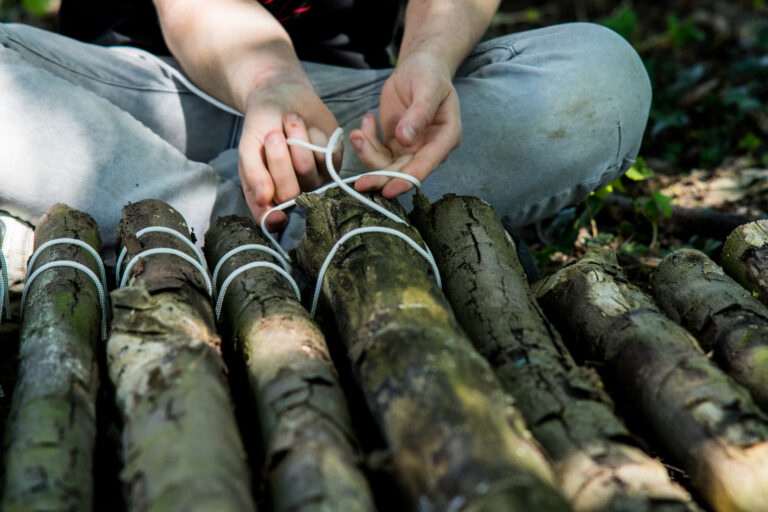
<point x="639" y="171"/>
<point x="38" y="7"/>
<point x="663" y="203"/>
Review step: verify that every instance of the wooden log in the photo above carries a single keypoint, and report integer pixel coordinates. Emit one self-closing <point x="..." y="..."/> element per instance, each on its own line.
<point x="457" y="443"/>
<point x="598" y="466"/>
<point x="726" y="319"/>
<point x="701" y="418"/>
<point x="312" y="454"/>
<point x="181" y="446"/>
<point x="51" y="431"/>
<point x="683" y="222"/>
<point x="745" y="257"/>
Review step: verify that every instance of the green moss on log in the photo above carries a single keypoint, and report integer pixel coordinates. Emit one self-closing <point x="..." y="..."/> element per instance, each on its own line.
<point x="182" y="449"/>
<point x="51" y="431"/>
<point x="456" y="441"/>
<point x="312" y="460"/>
<point x="597" y="465"/>
<point x="704" y="421"/>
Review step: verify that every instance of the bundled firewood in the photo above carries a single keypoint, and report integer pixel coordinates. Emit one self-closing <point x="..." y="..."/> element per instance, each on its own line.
<point x="745" y="257"/>
<point x="701" y="418"/>
<point x="726" y="319"/>
<point x="456" y="442"/>
<point x="181" y="446"/>
<point x="595" y="460"/>
<point x="51" y="432"/>
<point x="310" y="448"/>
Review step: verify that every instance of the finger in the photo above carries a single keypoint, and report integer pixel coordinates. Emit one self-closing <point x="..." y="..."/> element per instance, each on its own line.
<point x="419" y="115"/>
<point x="280" y="167"/>
<point x="426" y="159"/>
<point x="319" y="138"/>
<point x="275" y="219"/>
<point x="371" y="151"/>
<point x="369" y="183"/>
<point x="255" y="179"/>
<point x="303" y="159"/>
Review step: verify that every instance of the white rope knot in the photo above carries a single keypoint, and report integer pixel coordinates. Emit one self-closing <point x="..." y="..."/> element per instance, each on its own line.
<point x="100" y="282"/>
<point x="335" y="142"/>
<point x="198" y="263"/>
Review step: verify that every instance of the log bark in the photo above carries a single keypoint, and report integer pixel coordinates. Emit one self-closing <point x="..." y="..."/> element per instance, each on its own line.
<point x="50" y="435"/>
<point x="726" y="319"/>
<point x="683" y="221"/>
<point x="568" y="411"/>
<point x="745" y="257"/>
<point x="457" y="443"/>
<point x="312" y="454"/>
<point x="706" y="422"/>
<point x="182" y="450"/>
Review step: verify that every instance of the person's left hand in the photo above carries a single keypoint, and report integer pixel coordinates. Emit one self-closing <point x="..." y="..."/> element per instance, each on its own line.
<point x="420" y="124"/>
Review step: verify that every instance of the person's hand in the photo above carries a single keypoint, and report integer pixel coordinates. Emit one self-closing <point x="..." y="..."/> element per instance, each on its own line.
<point x="271" y="171"/>
<point x="420" y="124"/>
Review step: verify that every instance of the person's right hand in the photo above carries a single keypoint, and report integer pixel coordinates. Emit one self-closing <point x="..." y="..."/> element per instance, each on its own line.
<point x="271" y="171"/>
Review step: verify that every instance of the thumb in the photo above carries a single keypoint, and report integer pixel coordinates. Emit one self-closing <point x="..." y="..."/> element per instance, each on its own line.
<point x="418" y="116"/>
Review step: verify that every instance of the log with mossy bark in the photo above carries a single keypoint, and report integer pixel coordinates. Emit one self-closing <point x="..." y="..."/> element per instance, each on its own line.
<point x="181" y="445"/>
<point x="310" y="447"/>
<point x="726" y="319"/>
<point x="700" y="417"/>
<point x="745" y="257"/>
<point x="456" y="441"/>
<point x="51" y="432"/>
<point x="597" y="464"/>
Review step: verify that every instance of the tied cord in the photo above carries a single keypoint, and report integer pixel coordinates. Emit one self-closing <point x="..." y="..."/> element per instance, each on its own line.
<point x="100" y="282"/>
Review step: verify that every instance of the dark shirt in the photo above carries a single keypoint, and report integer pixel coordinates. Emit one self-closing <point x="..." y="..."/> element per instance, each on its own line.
<point x="355" y="33"/>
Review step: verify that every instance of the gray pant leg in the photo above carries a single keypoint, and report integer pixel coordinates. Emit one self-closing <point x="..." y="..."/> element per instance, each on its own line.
<point x="548" y="115"/>
<point x="62" y="142"/>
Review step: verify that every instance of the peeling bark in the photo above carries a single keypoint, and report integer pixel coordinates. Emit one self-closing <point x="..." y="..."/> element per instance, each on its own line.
<point x="311" y="450"/>
<point x="182" y="450"/>
<point x="457" y="443"/>
<point x="566" y="407"/>
<point x="50" y="436"/>
<point x="727" y="320"/>
<point x="708" y="424"/>
<point x="745" y="257"/>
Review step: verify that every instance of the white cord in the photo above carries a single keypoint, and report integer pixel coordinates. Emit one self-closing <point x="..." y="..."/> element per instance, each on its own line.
<point x="82" y="268"/>
<point x="333" y="144"/>
<point x="5" y="296"/>
<point x="78" y="243"/>
<point x="426" y="254"/>
<point x="247" y="247"/>
<point x="174" y="252"/>
<point x="157" y="229"/>
<point x="248" y="266"/>
<point x="180" y="77"/>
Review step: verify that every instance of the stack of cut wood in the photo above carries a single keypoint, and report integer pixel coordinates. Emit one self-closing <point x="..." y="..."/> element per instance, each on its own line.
<point x="220" y="392"/>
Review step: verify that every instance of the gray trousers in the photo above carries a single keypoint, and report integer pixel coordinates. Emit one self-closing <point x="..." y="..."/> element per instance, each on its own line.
<point x="548" y="115"/>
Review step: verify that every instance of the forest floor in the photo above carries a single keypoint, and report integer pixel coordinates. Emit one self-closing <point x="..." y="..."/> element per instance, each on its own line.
<point x="706" y="145"/>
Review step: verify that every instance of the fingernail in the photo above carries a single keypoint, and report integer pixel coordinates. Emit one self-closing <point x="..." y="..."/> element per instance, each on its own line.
<point x="366" y="122"/>
<point x="292" y="117"/>
<point x="357" y="142"/>
<point x="409" y="133"/>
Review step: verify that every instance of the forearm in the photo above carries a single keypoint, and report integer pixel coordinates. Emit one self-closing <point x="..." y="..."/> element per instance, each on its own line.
<point x="448" y="29"/>
<point x="229" y="47"/>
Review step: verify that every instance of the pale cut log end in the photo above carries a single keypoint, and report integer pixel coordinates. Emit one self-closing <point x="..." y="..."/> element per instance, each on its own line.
<point x="745" y="257"/>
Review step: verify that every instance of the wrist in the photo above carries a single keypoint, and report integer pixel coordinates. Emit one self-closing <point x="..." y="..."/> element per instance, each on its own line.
<point x="265" y="71"/>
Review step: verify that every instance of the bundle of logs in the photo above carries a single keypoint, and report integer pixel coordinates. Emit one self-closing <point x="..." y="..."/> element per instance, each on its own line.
<point x="583" y="392"/>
